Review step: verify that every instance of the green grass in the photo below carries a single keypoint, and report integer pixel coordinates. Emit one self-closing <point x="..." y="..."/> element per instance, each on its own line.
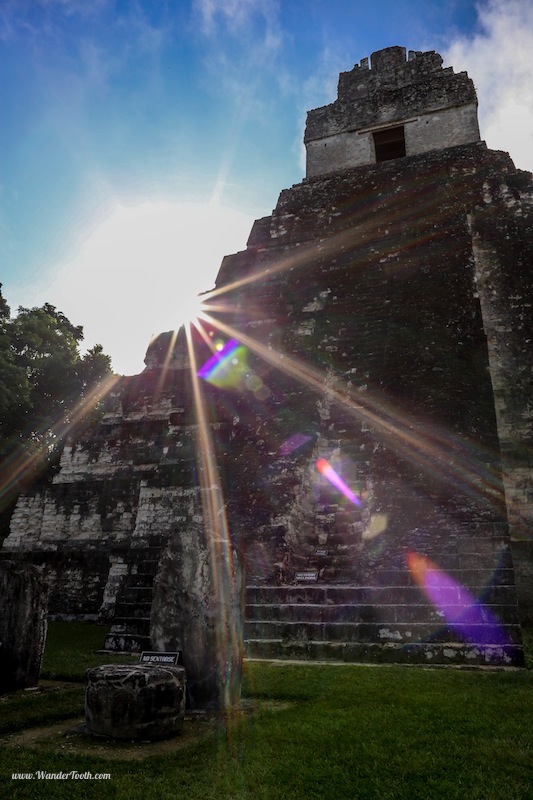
<point x="71" y="649"/>
<point x="346" y="733"/>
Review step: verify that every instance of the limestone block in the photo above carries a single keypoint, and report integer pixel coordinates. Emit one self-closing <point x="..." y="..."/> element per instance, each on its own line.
<point x="197" y="608"/>
<point x="23" y="607"/>
<point x="135" y="702"/>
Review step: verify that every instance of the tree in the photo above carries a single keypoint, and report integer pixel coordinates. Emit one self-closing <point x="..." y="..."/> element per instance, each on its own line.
<point x="14" y="386"/>
<point x="46" y="388"/>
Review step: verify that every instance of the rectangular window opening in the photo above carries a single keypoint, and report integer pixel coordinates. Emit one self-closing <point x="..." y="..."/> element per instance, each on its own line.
<point x="389" y="143"/>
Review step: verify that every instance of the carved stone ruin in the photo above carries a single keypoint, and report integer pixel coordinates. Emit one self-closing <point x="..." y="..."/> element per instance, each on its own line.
<point x="124" y="701"/>
<point x="376" y="327"/>
<point x="199" y="612"/>
<point x="23" y="623"/>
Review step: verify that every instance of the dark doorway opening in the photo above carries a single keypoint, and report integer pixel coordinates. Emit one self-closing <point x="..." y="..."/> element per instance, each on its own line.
<point x="389" y="143"/>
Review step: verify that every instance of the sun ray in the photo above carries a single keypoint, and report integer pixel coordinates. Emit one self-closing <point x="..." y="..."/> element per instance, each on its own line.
<point x="222" y="567"/>
<point x="426" y="447"/>
<point x="27" y="456"/>
<point x="340" y="241"/>
<point x="166" y="362"/>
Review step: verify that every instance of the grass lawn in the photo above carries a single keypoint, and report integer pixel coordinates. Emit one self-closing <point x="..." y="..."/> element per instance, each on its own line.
<point x="344" y="732"/>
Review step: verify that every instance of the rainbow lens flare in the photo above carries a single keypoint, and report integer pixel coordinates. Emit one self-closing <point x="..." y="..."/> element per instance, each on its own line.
<point x="464" y="614"/>
<point x="325" y="469"/>
<point x="227" y="367"/>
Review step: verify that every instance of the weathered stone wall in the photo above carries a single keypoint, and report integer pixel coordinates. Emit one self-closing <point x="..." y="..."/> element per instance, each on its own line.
<point x="437" y="107"/>
<point x="103" y="502"/>
<point x="502" y="232"/>
<point x="368" y="294"/>
<point x="445" y="128"/>
<point x="523" y="571"/>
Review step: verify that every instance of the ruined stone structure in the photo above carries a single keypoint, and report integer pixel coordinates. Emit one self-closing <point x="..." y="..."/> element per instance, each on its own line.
<point x="125" y="520"/>
<point x="394" y="108"/>
<point x="376" y="325"/>
<point x="23" y="625"/>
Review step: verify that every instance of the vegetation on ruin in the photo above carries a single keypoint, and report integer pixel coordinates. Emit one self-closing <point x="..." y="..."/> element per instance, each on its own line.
<point x="44" y="380"/>
<point x="343" y="732"/>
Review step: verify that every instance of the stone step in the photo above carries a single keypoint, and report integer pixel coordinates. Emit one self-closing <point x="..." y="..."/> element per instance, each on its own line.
<point x="464" y="576"/>
<point x="309" y="612"/>
<point x="139" y="580"/>
<point x="152" y="550"/>
<point x="468" y="577"/>
<point x="142" y="567"/>
<point x="132" y="610"/>
<point x="433" y="653"/>
<point x="142" y="595"/>
<point x="352" y="612"/>
<point x="127" y="642"/>
<point x="329" y="594"/>
<point x="436" y="631"/>
<point x="138" y="626"/>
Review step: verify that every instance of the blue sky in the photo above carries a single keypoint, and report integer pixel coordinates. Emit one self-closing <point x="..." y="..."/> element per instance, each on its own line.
<point x="139" y="139"/>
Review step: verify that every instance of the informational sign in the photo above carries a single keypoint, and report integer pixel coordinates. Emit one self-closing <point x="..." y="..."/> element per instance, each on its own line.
<point x="164" y="659"/>
<point x="308" y="576"/>
<point x="321" y="552"/>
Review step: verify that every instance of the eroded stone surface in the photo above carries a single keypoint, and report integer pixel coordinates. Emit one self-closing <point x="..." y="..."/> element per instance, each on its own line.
<point x="135" y="702"/>
<point x="197" y="608"/>
<point x="431" y="107"/>
<point x="23" y="607"/>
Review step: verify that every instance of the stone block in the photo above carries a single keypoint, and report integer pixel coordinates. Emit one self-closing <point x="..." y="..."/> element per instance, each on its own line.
<point x="23" y="624"/>
<point x="135" y="702"/>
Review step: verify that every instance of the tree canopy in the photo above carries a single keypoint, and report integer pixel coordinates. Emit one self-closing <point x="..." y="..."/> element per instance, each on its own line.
<point x="46" y="388"/>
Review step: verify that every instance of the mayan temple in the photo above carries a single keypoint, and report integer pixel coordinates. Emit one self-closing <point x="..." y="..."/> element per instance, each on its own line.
<point x="353" y="413"/>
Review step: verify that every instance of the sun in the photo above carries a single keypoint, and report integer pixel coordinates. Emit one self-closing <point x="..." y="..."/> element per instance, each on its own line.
<point x="141" y="271"/>
<point x="192" y="310"/>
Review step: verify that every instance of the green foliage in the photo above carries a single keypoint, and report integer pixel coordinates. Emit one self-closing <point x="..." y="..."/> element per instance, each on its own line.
<point x="46" y="386"/>
<point x="14" y="385"/>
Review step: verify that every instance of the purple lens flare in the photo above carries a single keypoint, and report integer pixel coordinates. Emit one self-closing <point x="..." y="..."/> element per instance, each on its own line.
<point x="325" y="469"/>
<point x="218" y="359"/>
<point x="463" y="612"/>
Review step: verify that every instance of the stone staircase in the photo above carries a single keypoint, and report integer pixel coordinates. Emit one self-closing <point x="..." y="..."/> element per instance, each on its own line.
<point x="380" y="624"/>
<point x="325" y="611"/>
<point x="130" y="630"/>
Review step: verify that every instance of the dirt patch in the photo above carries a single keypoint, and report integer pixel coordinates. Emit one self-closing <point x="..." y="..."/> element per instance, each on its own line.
<point x="71" y="736"/>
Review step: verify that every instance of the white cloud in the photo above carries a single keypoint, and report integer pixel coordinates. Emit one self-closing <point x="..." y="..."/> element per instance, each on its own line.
<point x="499" y="59"/>
<point x="237" y="16"/>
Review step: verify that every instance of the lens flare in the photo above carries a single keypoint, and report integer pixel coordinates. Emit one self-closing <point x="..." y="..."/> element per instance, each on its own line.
<point x="377" y="524"/>
<point x="325" y="469"/>
<point x="455" y="462"/>
<point x="222" y="562"/>
<point x="293" y="443"/>
<point x="464" y="614"/>
<point x="227" y="366"/>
